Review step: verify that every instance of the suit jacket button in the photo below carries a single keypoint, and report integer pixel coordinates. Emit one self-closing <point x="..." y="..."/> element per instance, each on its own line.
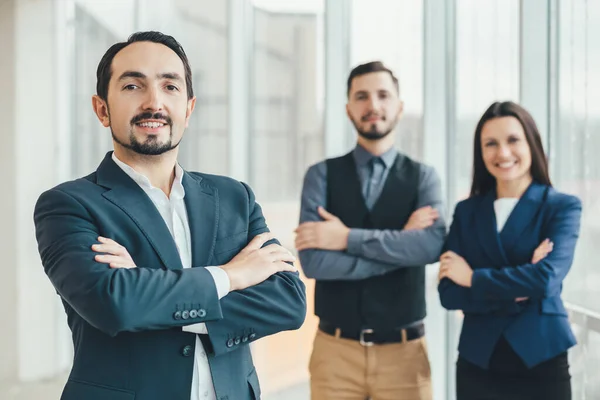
<point x="177" y="315"/>
<point x="201" y="313"/>
<point x="186" y="351"/>
<point x="185" y="314"/>
<point x="252" y="336"/>
<point x="193" y="313"/>
<point x="230" y="343"/>
<point x="237" y="340"/>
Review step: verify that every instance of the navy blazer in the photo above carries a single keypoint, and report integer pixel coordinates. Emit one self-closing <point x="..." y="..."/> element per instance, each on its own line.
<point x="126" y="323"/>
<point x="537" y="329"/>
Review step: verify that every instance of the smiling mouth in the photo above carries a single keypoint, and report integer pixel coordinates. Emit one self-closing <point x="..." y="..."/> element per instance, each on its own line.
<point x="152" y="125"/>
<point x="506" y="165"/>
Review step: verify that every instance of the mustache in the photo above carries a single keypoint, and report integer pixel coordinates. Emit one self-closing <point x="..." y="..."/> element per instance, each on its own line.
<point x="365" y="117"/>
<point x="149" y="115"/>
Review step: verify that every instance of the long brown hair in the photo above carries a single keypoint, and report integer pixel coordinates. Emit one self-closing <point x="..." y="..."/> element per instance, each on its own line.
<point x="483" y="181"/>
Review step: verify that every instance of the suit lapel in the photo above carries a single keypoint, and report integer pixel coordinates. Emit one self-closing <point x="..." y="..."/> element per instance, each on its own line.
<point x="129" y="197"/>
<point x="521" y="216"/>
<point x="202" y="204"/>
<point x="487" y="232"/>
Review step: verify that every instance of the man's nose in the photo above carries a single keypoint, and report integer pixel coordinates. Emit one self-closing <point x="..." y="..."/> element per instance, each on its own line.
<point x="153" y="100"/>
<point x="373" y="103"/>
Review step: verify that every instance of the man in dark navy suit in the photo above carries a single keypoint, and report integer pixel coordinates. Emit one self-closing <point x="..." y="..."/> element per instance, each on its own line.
<point x="166" y="276"/>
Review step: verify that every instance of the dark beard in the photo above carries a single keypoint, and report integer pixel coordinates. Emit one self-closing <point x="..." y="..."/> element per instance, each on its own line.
<point x="373" y="133"/>
<point x="150" y="147"/>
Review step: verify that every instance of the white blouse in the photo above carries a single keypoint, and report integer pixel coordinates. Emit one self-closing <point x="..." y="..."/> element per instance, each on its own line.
<point x="503" y="207"/>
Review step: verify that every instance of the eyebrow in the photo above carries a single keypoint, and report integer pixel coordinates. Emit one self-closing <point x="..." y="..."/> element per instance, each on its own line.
<point x="364" y="92"/>
<point x="136" y="74"/>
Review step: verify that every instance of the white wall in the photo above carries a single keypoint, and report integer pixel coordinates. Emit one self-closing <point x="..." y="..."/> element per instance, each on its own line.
<point x="8" y="283"/>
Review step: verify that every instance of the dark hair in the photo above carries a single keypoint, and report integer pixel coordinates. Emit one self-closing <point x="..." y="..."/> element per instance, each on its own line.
<point x="483" y="181"/>
<point x="373" y="66"/>
<point x="104" y="71"/>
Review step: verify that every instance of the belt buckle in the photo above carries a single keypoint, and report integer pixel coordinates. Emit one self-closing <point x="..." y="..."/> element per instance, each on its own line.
<point x="362" y="338"/>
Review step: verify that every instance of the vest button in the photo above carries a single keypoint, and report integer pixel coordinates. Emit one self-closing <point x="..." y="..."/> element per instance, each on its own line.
<point x="186" y="351"/>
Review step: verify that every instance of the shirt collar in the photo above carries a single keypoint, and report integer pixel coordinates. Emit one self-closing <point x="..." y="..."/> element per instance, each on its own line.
<point x="362" y="156"/>
<point x="177" y="190"/>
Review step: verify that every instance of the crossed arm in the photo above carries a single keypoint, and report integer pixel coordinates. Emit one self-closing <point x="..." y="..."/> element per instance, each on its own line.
<point x="116" y="300"/>
<point x="329" y="250"/>
<point x="485" y="290"/>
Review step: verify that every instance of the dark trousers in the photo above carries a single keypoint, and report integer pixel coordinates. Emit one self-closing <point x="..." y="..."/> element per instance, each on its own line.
<point x="509" y="379"/>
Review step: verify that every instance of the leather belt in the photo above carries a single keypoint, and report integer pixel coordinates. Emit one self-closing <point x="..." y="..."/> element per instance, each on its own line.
<point x="369" y="337"/>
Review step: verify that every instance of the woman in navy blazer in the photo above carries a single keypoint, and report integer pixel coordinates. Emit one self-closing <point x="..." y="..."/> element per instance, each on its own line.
<point x="509" y="248"/>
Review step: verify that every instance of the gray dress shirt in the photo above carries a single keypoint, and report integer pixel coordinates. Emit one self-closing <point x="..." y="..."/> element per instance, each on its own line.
<point x="372" y="252"/>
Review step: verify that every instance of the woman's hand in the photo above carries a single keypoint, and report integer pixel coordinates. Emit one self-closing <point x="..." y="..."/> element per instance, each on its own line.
<point x="538" y="255"/>
<point x="455" y="268"/>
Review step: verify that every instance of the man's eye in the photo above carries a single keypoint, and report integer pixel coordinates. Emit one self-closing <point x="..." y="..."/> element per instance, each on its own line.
<point x="130" y="87"/>
<point x="172" y="88"/>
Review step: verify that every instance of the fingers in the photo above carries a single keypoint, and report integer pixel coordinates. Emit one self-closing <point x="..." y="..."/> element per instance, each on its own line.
<point x="113" y="249"/>
<point x="448" y="255"/>
<point x="278" y="253"/>
<point x="542" y="251"/>
<point x="303" y="242"/>
<point x="327" y="216"/>
<point x="283" y="266"/>
<point x="114" y="261"/>
<point x="258" y="241"/>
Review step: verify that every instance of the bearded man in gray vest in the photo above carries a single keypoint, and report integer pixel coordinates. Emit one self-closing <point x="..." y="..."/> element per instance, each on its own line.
<point x="369" y="223"/>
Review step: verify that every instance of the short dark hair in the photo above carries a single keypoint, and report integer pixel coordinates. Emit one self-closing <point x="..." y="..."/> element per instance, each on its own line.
<point x="367" y="68"/>
<point x="483" y="181"/>
<point x="104" y="71"/>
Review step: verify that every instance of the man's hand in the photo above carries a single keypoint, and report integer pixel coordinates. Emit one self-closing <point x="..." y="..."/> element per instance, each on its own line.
<point x="255" y="263"/>
<point x="538" y="255"/>
<point x="329" y="234"/>
<point x="455" y="268"/>
<point x="422" y="218"/>
<point x="116" y="255"/>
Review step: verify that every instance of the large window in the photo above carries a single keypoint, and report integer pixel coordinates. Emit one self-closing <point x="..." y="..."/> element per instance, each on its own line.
<point x="286" y="104"/>
<point x="575" y="168"/>
<point x="202" y="28"/>
<point x="89" y="139"/>
<point x="486" y="70"/>
<point x="394" y="36"/>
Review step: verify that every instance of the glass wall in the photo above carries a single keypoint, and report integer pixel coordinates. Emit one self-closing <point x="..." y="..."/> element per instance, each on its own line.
<point x="202" y="28"/>
<point x="394" y="36"/>
<point x="286" y="98"/>
<point x="575" y="168"/>
<point x="486" y="70"/>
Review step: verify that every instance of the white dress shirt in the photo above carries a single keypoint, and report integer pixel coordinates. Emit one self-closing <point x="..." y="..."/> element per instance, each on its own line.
<point x="174" y="213"/>
<point x="503" y="207"/>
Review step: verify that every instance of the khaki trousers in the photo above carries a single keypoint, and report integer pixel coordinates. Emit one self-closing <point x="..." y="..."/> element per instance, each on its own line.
<point x="342" y="369"/>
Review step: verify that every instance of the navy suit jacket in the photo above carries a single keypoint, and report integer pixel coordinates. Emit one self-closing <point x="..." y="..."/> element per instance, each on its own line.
<point x="537" y="329"/>
<point x="126" y="323"/>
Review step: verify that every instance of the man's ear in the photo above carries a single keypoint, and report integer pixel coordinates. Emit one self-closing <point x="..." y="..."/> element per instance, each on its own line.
<point x="191" y="104"/>
<point x="101" y="109"/>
